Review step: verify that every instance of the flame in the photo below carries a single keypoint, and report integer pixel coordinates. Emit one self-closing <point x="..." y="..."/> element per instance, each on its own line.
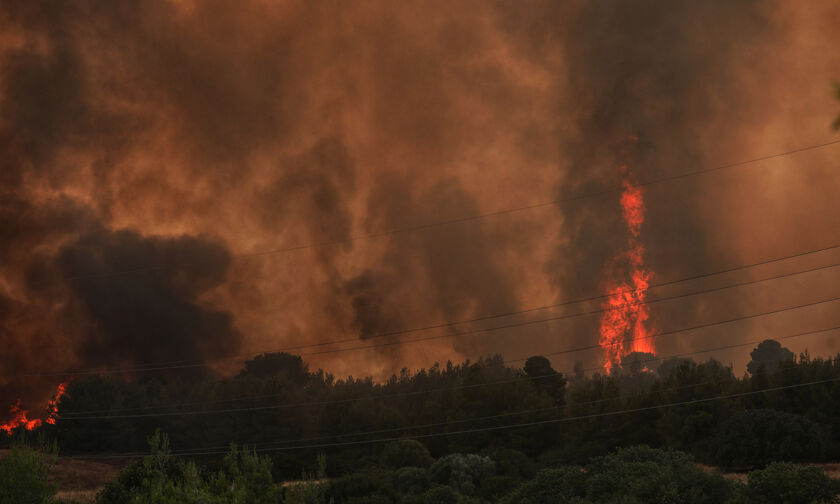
<point x="623" y="324"/>
<point x="19" y="417"/>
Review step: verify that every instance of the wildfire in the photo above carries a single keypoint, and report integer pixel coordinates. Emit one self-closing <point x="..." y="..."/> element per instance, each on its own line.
<point x="19" y="417"/>
<point x="623" y="324"/>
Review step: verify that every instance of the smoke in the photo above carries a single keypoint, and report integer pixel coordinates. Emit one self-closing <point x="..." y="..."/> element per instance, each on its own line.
<point x="662" y="74"/>
<point x="233" y="155"/>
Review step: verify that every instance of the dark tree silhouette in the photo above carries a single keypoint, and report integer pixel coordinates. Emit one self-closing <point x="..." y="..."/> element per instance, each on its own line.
<point x="282" y="365"/>
<point x="545" y="378"/>
<point x="770" y="353"/>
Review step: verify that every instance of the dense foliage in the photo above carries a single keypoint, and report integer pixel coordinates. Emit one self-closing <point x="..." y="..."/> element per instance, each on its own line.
<point x="761" y="436"/>
<point x="786" y="483"/>
<point x="162" y="479"/>
<point x="23" y="474"/>
<point x="633" y="475"/>
<point x="276" y="400"/>
<point x="481" y="430"/>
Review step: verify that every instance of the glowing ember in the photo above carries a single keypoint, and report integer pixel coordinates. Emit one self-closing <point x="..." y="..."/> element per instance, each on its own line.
<point x="623" y="327"/>
<point x="19" y="417"/>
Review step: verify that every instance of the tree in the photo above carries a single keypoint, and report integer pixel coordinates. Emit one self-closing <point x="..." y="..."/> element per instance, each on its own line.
<point x="761" y="436"/>
<point x="545" y="378"/>
<point x="769" y="353"/>
<point x="642" y="474"/>
<point x="560" y="485"/>
<point x="788" y="483"/>
<point x="670" y="365"/>
<point x="462" y="472"/>
<point x="163" y="479"/>
<point x="406" y="453"/>
<point x="635" y="363"/>
<point x="280" y="364"/>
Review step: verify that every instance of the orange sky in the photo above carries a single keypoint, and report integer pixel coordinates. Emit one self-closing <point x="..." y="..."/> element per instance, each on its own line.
<point x="187" y="136"/>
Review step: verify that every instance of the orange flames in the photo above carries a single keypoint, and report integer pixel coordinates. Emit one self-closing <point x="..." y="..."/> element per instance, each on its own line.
<point x="19" y="417"/>
<point x="623" y="327"/>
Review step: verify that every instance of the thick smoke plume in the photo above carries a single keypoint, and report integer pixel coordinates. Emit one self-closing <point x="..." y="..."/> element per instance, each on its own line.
<point x="185" y="180"/>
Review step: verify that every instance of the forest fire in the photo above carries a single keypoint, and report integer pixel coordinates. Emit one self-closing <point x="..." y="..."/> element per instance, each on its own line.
<point x="19" y="417"/>
<point x="623" y="328"/>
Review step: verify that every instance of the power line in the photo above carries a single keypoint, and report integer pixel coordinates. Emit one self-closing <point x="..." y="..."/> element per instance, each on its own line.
<point x="356" y="399"/>
<point x="504" y="427"/>
<point x="536" y="410"/>
<point x="428" y="225"/>
<point x="172" y="365"/>
<point x="70" y="415"/>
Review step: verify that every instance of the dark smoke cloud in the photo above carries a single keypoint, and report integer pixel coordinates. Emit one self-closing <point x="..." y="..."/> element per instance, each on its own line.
<point x="150" y="316"/>
<point x="194" y="135"/>
<point x="655" y="73"/>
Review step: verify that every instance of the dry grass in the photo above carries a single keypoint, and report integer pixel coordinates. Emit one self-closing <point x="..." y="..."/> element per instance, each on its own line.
<point x="832" y="469"/>
<point x="79" y="479"/>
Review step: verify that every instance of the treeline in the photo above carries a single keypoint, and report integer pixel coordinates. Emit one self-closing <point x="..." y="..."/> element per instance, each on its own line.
<point x="784" y="410"/>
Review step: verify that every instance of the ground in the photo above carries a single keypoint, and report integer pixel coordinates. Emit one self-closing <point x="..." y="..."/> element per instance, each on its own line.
<point x="80" y="479"/>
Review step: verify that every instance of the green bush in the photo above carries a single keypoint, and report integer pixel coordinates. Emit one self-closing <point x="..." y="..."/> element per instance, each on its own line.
<point x="464" y="473"/>
<point x="786" y="483"/>
<point x="513" y="463"/>
<point x="651" y="475"/>
<point x="353" y="487"/>
<point x="435" y="495"/>
<point x="761" y="436"/>
<point x="406" y="453"/>
<point x="411" y="480"/>
<point x="495" y="487"/>
<point x="23" y="474"/>
<point x="245" y="477"/>
<point x="164" y="479"/>
<point x="559" y="485"/>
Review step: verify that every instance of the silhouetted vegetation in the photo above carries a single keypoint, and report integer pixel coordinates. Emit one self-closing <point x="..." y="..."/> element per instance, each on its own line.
<point x="484" y="431"/>
<point x="276" y="401"/>
<point x="761" y="436"/>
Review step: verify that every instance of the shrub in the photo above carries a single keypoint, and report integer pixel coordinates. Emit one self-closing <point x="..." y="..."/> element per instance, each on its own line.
<point x="406" y="453"/>
<point x="246" y="477"/>
<point x="411" y="480"/>
<point x="495" y="487"/>
<point x="786" y="483"/>
<point x="163" y="479"/>
<point x="761" y="436"/>
<point x="550" y="486"/>
<point x="513" y="463"/>
<point x="651" y="475"/>
<point x="437" y="495"/>
<point x="23" y="474"/>
<point x="462" y="472"/>
<point x="353" y="487"/>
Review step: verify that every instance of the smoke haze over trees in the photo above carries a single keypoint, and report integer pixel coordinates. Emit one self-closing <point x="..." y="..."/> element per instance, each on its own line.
<point x="152" y="152"/>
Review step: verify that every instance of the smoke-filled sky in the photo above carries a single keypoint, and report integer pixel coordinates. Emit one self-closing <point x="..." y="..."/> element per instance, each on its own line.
<point x="152" y="151"/>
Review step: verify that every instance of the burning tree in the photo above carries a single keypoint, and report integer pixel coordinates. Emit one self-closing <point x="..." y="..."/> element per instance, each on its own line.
<point x="623" y="324"/>
<point x="19" y="417"/>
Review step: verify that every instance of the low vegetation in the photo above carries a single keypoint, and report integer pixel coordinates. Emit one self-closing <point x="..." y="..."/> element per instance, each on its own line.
<point x="628" y="476"/>
<point x="484" y="433"/>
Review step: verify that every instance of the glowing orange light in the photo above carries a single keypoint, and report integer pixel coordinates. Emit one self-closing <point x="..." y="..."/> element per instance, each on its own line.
<point x="20" y="417"/>
<point x="623" y="325"/>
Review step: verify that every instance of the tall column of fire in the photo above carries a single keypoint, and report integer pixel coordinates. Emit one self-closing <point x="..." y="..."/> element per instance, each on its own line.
<point x="623" y="326"/>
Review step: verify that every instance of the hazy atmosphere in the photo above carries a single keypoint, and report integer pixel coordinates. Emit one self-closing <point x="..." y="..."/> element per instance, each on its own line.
<point x="186" y="180"/>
